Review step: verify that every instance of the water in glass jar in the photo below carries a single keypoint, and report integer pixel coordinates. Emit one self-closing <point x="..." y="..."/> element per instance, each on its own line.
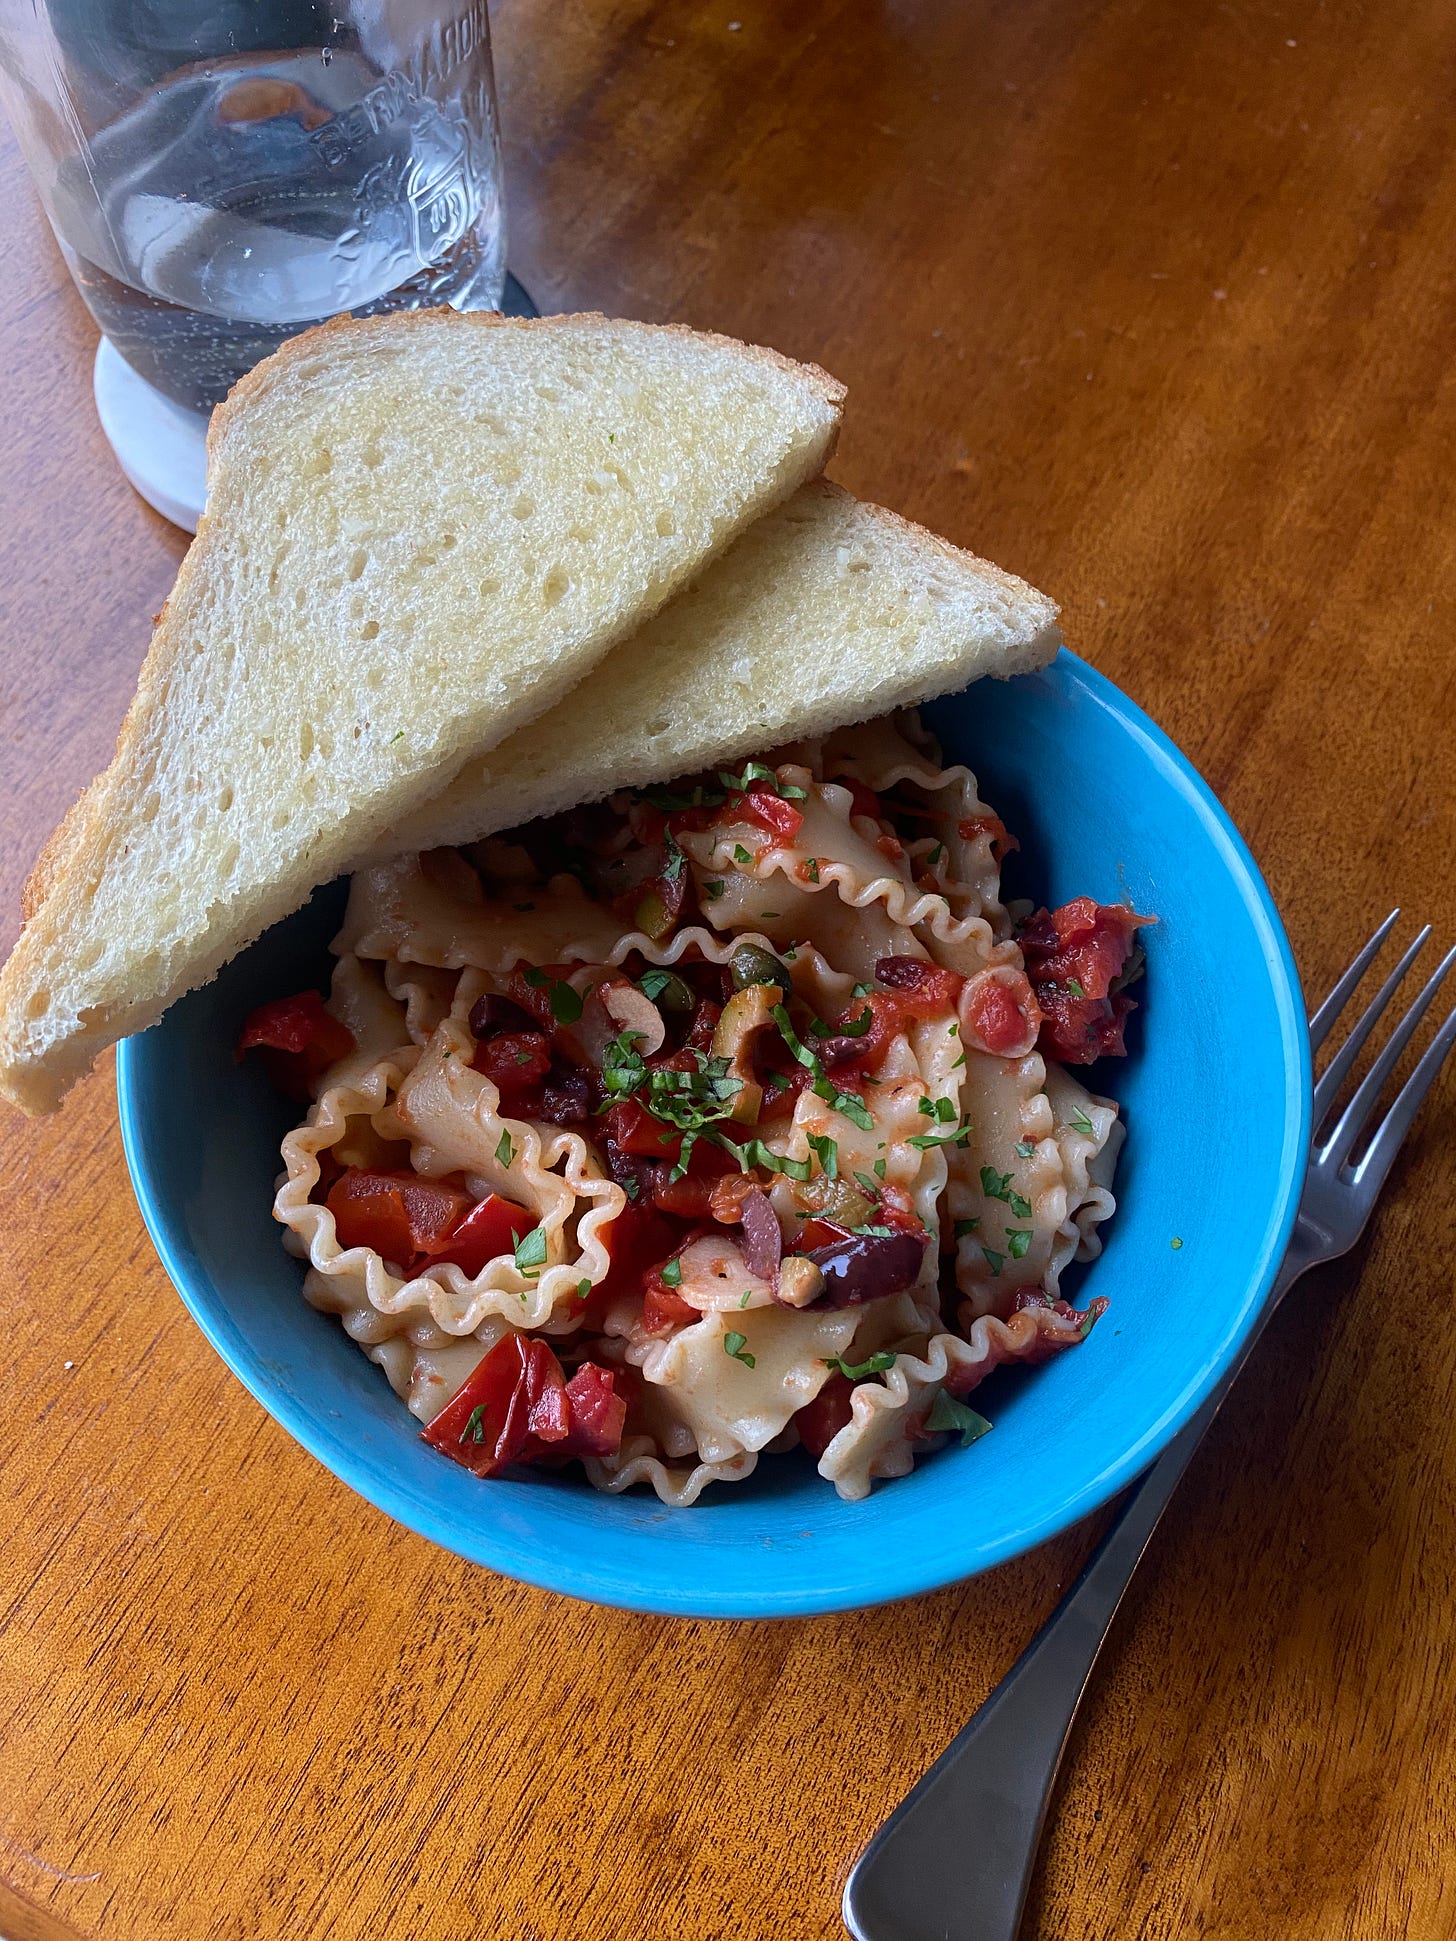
<point x="240" y="201"/>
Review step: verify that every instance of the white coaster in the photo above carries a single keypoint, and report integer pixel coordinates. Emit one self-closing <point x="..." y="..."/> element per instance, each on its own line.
<point x="160" y="445"/>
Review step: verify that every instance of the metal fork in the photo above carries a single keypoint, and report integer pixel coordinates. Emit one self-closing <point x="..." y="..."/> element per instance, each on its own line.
<point x="954" y="1860"/>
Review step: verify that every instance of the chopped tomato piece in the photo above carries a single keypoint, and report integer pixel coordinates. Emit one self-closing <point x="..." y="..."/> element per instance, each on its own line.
<point x="1001" y="1014"/>
<point x="891" y="848"/>
<point x="397" y="1215"/>
<point x="768" y="808"/>
<point x="820" y="1421"/>
<point x="597" y="1413"/>
<point x="300" y="1028"/>
<point x="516" y="1063"/>
<point x="862" y="799"/>
<point x="632" y="1128"/>
<point x="491" y="1227"/>
<point x="512" y="1408"/>
<point x="690" y="1197"/>
<point x="818" y="1233"/>
<point x="931" y="986"/>
<point x="663" y="1311"/>
<point x="1075" y="957"/>
<point x="637" y="1239"/>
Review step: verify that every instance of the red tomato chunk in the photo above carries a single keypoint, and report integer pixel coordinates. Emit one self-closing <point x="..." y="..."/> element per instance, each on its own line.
<point x="768" y="808"/>
<point x="409" y="1220"/>
<point x="298" y="1037"/>
<point x="1074" y="956"/>
<point x="820" y="1421"/>
<point x="517" y="1407"/>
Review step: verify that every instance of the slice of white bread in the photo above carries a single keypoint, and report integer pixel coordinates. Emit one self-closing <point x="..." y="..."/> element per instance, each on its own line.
<point x="420" y="532"/>
<point x="824" y="613"/>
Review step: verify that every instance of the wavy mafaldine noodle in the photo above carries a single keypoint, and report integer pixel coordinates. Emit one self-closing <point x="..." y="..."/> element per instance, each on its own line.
<point x="709" y="1124"/>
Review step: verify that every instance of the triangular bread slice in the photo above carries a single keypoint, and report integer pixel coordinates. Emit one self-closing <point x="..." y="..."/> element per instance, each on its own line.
<point x="824" y="613"/>
<point x="421" y="531"/>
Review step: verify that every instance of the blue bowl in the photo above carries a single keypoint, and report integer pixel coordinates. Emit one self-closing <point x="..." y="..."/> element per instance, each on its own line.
<point x="1217" y="1100"/>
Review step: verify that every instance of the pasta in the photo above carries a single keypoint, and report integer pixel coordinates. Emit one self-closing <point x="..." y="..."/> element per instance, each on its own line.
<point x="708" y="1123"/>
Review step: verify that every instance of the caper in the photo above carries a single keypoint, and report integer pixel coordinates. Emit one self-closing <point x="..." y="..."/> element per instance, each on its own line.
<point x="668" y="991"/>
<point x="750" y="965"/>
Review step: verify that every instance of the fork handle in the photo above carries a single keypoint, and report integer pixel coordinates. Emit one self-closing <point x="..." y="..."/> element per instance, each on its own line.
<point x="954" y="1860"/>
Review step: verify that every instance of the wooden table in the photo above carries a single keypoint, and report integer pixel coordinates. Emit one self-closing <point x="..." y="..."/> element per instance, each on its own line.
<point x="1155" y="304"/>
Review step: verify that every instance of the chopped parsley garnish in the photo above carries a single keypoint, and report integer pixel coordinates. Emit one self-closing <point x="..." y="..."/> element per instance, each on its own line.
<point x="779" y="1081"/>
<point x="852" y="1027"/>
<point x="768" y="917"/>
<point x="623" y="1068"/>
<point x="935" y="855"/>
<point x="963" y="1227"/>
<point x="745" y="1297"/>
<point x="714" y="889"/>
<point x="946" y="1413"/>
<point x="583" y="1288"/>
<point x="759" y="772"/>
<point x="535" y="977"/>
<point x="994" y="1260"/>
<point x="632" y="1187"/>
<point x="505" y="1152"/>
<point x="1018" y="1239"/>
<point x="653" y="983"/>
<point x="1025" y="1148"/>
<point x="941" y="1109"/>
<point x="861" y="990"/>
<point x="959" y="1063"/>
<point x="671" y="1275"/>
<point x="923" y="1141"/>
<point x="522" y="1057"/>
<point x="1020" y="1205"/>
<point x="474" y="1430"/>
<point x="1176" y="1244"/>
<point x="753" y="1152"/>
<point x="736" y="1346"/>
<point x="531" y="1251"/>
<point x="856" y="1371"/>
<point x="740" y="854"/>
<point x="828" y="1151"/>
<point x="675" y="859"/>
<point x="996" y="1186"/>
<point x="870" y="1186"/>
<point x="879" y="1169"/>
<point x="811" y="869"/>
<point x="1074" y="988"/>
<point x="1079" y="1122"/>
<point x="565" y="1000"/>
<point x="875" y="1232"/>
<point x="849" y="1103"/>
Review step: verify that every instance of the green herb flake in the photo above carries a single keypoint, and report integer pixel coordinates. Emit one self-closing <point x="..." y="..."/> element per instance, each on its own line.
<point x="1018" y="1239"/>
<point x="994" y="1260"/>
<point x="735" y="1345"/>
<point x="1020" y="1205"/>
<point x="1074" y="988"/>
<point x="1025" y="1148"/>
<point x="474" y="1430"/>
<point x="398" y="735"/>
<point x="923" y="1141"/>
<point x="531" y="1251"/>
<point x="740" y="854"/>
<point x="959" y="1064"/>
<point x="632" y="1187"/>
<point x="996" y="1186"/>
<point x="769" y="916"/>
<point x="935" y="855"/>
<point x="876" y="1232"/>
<point x="870" y="1186"/>
<point x="1079" y="1122"/>
<point x="877" y="1364"/>
<point x="954" y="1031"/>
<point x="811" y="869"/>
<point x="963" y="1227"/>
<point x="653" y="983"/>
<point x="675" y="859"/>
<point x="535" y="977"/>
<point x="714" y="889"/>
<point x="947" y="1414"/>
<point x="671" y="1275"/>
<point x="753" y="1152"/>
<point x="745" y="1297"/>
<point x="927" y="1106"/>
<point x="828" y="1151"/>
<point x="523" y="1058"/>
<point x="879" y="1169"/>
<point x="583" y="1288"/>
<point x="505" y="1152"/>
<point x="779" y="1081"/>
<point x="861" y="990"/>
<point x="1176" y="1244"/>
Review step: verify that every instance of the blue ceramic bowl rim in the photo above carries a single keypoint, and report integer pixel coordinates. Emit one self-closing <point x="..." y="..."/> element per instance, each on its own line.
<point x="902" y="1575"/>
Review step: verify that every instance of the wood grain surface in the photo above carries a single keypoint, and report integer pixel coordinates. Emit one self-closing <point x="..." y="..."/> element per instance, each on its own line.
<point x="1154" y="304"/>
